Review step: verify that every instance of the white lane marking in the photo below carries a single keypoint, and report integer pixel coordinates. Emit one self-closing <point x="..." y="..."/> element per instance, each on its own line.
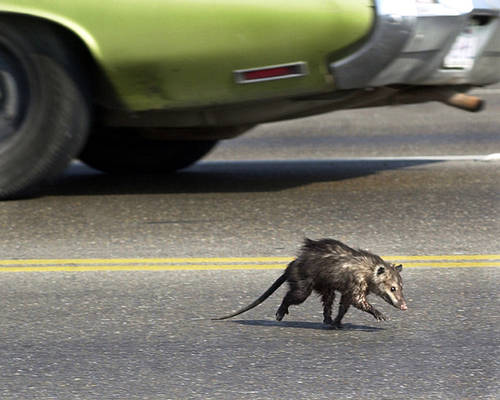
<point x="465" y="157"/>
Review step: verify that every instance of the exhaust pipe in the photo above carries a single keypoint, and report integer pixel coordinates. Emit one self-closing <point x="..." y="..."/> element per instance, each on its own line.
<point x="446" y="95"/>
<point x="462" y="100"/>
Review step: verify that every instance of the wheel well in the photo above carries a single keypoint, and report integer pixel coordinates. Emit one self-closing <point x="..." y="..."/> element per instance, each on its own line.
<point x="92" y="78"/>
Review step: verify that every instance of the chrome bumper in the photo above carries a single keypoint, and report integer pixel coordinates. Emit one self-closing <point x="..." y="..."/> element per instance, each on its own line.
<point x="426" y="42"/>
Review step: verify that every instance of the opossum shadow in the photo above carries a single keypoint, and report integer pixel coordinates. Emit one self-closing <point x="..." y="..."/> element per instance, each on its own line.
<point x="309" y="325"/>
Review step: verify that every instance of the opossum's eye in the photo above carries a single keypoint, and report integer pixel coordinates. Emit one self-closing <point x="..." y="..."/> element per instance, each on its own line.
<point x="393" y="289"/>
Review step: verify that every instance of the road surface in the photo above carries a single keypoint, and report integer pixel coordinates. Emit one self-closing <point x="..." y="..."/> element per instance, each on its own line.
<point x="109" y="283"/>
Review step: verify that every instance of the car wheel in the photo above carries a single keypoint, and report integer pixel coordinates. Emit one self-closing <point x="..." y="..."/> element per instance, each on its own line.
<point x="44" y="116"/>
<point x="128" y="150"/>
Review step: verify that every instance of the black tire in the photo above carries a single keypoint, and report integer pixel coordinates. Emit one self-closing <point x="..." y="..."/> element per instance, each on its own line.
<point x="44" y="116"/>
<point x="128" y="150"/>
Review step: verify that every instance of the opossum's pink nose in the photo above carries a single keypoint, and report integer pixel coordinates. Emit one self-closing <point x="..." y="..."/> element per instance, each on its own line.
<point x="404" y="307"/>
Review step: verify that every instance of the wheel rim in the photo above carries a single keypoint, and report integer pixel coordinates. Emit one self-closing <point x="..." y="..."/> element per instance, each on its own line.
<point x="13" y="95"/>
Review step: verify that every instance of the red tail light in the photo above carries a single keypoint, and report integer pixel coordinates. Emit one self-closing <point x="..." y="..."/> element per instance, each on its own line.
<point x="271" y="72"/>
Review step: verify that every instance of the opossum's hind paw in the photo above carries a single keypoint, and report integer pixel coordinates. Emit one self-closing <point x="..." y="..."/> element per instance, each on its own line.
<point x="336" y="325"/>
<point x="328" y="321"/>
<point x="280" y="314"/>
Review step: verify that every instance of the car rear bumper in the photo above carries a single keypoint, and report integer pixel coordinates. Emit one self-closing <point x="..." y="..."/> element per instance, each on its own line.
<point x="426" y="42"/>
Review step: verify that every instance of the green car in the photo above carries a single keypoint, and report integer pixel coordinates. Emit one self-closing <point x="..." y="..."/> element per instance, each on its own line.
<point x="152" y="85"/>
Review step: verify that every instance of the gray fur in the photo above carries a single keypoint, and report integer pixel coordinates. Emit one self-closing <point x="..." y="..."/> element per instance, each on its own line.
<point x="328" y="265"/>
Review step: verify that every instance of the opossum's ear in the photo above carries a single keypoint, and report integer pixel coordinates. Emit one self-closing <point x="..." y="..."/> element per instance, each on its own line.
<point x="399" y="267"/>
<point x="380" y="270"/>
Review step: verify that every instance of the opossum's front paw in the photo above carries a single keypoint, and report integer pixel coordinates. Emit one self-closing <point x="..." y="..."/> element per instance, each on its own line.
<point x="328" y="321"/>
<point x="379" y="316"/>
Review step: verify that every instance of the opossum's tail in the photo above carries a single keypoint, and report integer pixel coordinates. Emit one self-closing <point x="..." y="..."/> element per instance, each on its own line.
<point x="264" y="296"/>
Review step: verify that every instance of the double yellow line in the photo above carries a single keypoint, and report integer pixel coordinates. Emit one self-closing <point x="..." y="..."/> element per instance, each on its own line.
<point x="225" y="263"/>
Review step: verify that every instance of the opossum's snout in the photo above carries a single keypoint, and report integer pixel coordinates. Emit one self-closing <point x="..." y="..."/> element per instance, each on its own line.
<point x="395" y="301"/>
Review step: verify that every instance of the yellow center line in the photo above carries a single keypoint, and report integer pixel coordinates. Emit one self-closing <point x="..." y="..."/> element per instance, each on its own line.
<point x="186" y="267"/>
<point x="216" y="260"/>
<point x="81" y="267"/>
<point x="455" y="257"/>
<point x="453" y="264"/>
<point x="111" y="261"/>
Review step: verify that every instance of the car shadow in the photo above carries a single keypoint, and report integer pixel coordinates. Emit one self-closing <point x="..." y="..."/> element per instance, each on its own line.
<point x="308" y="325"/>
<point x="224" y="176"/>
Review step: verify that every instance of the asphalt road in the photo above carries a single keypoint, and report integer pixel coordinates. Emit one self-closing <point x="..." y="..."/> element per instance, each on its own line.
<point x="109" y="284"/>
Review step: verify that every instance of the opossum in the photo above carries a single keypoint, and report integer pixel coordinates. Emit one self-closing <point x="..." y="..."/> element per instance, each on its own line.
<point x="328" y="265"/>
